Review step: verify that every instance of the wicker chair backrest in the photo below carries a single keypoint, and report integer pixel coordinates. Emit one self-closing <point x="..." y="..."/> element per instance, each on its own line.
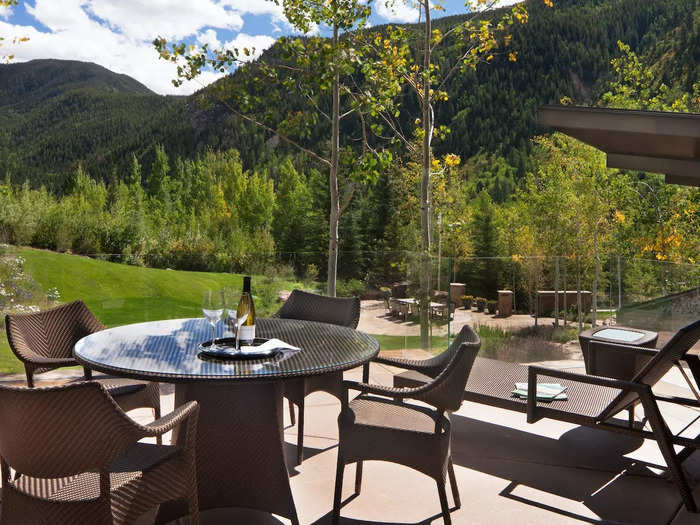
<point x="51" y="333"/>
<point x="435" y="365"/>
<point x="674" y="350"/>
<point x="447" y="389"/>
<point x="341" y="311"/>
<point x="62" y="431"/>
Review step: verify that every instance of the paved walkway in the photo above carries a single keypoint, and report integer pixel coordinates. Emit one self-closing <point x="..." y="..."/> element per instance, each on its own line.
<point x="375" y="319"/>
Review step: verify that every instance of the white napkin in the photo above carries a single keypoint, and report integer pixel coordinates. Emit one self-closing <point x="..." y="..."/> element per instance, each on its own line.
<point x="273" y="344"/>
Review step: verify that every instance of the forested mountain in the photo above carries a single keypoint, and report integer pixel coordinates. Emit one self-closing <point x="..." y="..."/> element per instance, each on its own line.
<point x="56" y="114"/>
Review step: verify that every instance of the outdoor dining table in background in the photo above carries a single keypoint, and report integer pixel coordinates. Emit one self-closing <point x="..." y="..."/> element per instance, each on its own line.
<point x="240" y="447"/>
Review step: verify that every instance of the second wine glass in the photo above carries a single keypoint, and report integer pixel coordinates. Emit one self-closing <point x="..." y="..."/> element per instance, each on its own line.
<point x="213" y="310"/>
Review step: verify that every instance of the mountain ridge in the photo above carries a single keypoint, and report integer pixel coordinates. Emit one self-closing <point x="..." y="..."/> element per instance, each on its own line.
<point x="57" y="114"/>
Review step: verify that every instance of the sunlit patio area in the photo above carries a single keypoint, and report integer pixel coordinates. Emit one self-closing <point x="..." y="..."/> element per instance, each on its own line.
<point x="507" y="470"/>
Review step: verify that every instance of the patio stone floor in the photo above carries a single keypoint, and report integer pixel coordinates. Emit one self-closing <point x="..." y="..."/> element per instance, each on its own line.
<point x="507" y="471"/>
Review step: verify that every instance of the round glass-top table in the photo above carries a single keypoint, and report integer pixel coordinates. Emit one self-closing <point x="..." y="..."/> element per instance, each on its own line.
<point x="240" y="446"/>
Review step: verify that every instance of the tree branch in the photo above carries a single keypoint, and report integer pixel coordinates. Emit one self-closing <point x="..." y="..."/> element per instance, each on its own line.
<point x="347" y="199"/>
<point x="276" y="132"/>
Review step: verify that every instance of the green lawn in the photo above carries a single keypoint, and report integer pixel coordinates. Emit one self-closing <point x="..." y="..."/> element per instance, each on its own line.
<point x="400" y="342"/>
<point x="121" y="294"/>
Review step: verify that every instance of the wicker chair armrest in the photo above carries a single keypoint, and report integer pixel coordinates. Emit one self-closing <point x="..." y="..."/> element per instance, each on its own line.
<point x="173" y="419"/>
<point x="406" y="364"/>
<point x="534" y="371"/>
<point x="387" y="391"/>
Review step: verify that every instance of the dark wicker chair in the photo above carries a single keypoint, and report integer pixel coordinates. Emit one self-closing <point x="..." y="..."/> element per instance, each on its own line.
<point x="342" y="311"/>
<point x="593" y="401"/>
<point x="76" y="458"/>
<point x="431" y="367"/>
<point x="44" y="341"/>
<point x="378" y="425"/>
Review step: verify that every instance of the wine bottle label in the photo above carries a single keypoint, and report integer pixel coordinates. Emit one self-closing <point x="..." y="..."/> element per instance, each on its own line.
<point x="247" y="333"/>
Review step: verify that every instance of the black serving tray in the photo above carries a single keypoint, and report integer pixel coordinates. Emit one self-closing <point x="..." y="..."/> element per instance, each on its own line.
<point x="226" y="350"/>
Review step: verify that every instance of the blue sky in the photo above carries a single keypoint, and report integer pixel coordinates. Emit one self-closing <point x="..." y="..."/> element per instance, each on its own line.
<point x="117" y="34"/>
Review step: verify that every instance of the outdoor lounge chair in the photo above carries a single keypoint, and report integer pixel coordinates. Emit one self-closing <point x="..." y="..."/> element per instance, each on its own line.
<point x="593" y="401"/>
<point x="76" y="458"/>
<point x="44" y="341"/>
<point x="379" y="425"/>
<point x="342" y="311"/>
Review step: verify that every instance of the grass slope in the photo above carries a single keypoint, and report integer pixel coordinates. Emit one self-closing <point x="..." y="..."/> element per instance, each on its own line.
<point x="121" y="294"/>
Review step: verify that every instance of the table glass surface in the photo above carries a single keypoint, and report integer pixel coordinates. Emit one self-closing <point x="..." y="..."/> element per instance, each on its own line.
<point x="168" y="351"/>
<point x="619" y="335"/>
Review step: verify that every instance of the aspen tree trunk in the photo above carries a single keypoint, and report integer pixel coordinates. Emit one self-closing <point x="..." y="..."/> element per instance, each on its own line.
<point x="556" y="291"/>
<point x="578" y="293"/>
<point x="333" y="180"/>
<point x="424" y="299"/>
<point x="594" y="299"/>
<point x="566" y="311"/>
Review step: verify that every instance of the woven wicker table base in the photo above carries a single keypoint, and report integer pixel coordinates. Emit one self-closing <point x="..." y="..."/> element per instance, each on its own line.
<point x="240" y="449"/>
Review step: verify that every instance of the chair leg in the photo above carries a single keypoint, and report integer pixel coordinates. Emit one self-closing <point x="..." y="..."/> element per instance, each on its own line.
<point x="663" y="439"/>
<point x="300" y="434"/>
<point x="340" y="469"/>
<point x="443" y="503"/>
<point x="292" y="417"/>
<point x="365" y="373"/>
<point x="30" y="377"/>
<point x="156" y="415"/>
<point x="453" y="484"/>
<point x="358" y="477"/>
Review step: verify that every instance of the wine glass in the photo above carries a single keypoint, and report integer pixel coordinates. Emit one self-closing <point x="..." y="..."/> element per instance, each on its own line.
<point x="213" y="309"/>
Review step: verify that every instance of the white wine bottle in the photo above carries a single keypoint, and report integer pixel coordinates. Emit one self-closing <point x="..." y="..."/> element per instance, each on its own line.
<point x="246" y="306"/>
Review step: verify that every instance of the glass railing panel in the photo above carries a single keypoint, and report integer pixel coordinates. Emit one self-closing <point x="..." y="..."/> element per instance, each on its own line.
<point x="414" y="305"/>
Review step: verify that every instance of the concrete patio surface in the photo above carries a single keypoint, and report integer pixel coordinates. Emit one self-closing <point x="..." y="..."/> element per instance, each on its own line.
<point x="375" y="319"/>
<point x="507" y="471"/>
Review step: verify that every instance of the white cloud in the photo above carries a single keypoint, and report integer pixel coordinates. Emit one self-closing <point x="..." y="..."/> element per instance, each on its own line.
<point x="90" y="41"/>
<point x="5" y="12"/>
<point x="172" y="19"/>
<point x="258" y="43"/>
<point x="210" y="38"/>
<point x="403" y="11"/>
<point x="118" y="35"/>
<point x="257" y="7"/>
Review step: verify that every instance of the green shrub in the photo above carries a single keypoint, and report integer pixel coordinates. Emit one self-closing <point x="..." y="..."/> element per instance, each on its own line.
<point x="349" y="288"/>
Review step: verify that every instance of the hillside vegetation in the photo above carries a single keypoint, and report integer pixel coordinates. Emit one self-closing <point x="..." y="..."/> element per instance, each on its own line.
<point x="56" y="114"/>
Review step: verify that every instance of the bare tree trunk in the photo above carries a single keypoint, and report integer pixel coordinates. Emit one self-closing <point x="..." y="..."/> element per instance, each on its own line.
<point x="578" y="293"/>
<point x="333" y="181"/>
<point x="594" y="298"/>
<point x="556" y="291"/>
<point x="424" y="299"/>
<point x="619" y="285"/>
<point x="566" y="308"/>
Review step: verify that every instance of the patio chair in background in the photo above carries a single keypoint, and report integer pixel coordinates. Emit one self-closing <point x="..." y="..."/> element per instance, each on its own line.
<point x="379" y="425"/>
<point x="77" y="458"/>
<point x="593" y="401"/>
<point x="44" y="341"/>
<point x="342" y="311"/>
<point x="394" y="307"/>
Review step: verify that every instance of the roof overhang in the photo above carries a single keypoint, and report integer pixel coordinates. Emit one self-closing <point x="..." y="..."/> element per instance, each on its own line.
<point x="654" y="141"/>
